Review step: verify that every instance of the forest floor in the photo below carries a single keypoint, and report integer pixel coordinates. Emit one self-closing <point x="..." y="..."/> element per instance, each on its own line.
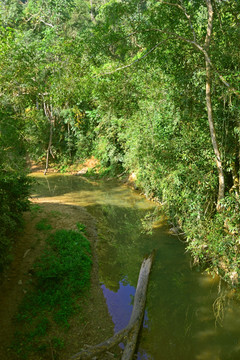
<point x="93" y="324"/>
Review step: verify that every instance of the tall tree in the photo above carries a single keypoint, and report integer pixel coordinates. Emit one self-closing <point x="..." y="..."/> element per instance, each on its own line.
<point x="160" y="28"/>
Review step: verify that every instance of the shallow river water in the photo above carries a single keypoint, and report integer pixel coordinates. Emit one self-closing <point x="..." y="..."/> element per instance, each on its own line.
<point x="180" y="323"/>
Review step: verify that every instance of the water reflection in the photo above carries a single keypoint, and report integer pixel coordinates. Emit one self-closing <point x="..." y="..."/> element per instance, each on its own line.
<point x="120" y="304"/>
<point x="181" y="320"/>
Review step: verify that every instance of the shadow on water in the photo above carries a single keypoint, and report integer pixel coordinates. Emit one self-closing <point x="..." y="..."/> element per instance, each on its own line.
<point x="179" y="322"/>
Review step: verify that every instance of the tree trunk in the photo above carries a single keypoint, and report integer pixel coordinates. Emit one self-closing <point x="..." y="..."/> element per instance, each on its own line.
<point x="91" y="10"/>
<point x="49" y="146"/>
<point x="221" y="182"/>
<point x="49" y="115"/>
<point x="138" y="308"/>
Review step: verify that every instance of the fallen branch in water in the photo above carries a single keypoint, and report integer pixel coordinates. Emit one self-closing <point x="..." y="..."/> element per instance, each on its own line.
<point x="131" y="331"/>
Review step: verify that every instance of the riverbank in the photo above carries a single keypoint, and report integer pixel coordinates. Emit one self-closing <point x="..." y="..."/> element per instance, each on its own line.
<point x="93" y="324"/>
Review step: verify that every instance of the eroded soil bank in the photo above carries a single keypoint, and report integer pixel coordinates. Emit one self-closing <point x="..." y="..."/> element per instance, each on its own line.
<point x="93" y="324"/>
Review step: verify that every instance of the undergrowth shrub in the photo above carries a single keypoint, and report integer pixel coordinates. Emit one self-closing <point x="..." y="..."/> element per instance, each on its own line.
<point x="14" y="192"/>
<point x="217" y="243"/>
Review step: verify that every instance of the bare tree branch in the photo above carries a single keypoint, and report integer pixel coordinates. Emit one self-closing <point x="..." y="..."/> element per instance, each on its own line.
<point x="45" y="23"/>
<point x="135" y="61"/>
<point x="35" y="16"/>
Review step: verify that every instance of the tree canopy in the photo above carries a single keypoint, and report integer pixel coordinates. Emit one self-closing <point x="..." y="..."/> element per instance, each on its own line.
<point x="150" y="87"/>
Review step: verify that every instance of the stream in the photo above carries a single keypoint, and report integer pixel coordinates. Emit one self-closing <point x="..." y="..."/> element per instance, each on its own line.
<point x="189" y="315"/>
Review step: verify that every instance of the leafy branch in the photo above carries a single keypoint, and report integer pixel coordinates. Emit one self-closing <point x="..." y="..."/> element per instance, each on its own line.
<point x="173" y="35"/>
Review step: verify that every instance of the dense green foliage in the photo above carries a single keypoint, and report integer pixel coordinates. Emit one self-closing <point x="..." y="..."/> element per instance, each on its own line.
<point x="60" y="275"/>
<point x="125" y="81"/>
<point x="14" y="185"/>
<point x="14" y="191"/>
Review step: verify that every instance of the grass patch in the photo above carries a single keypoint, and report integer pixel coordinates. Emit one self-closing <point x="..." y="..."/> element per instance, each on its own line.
<point x="81" y="227"/>
<point x="61" y="275"/>
<point x="43" y="225"/>
<point x="35" y="208"/>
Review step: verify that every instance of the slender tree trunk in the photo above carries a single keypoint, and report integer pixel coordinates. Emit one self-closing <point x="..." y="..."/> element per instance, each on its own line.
<point x="91" y="10"/>
<point x="49" y="146"/>
<point x="235" y="176"/>
<point x="49" y="115"/>
<point x="239" y="171"/>
<point x="221" y="182"/>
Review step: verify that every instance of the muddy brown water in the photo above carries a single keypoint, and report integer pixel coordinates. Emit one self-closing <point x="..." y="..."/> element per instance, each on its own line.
<point x="189" y="315"/>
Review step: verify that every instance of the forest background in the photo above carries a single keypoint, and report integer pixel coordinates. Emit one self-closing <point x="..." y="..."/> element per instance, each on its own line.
<point x="147" y="87"/>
